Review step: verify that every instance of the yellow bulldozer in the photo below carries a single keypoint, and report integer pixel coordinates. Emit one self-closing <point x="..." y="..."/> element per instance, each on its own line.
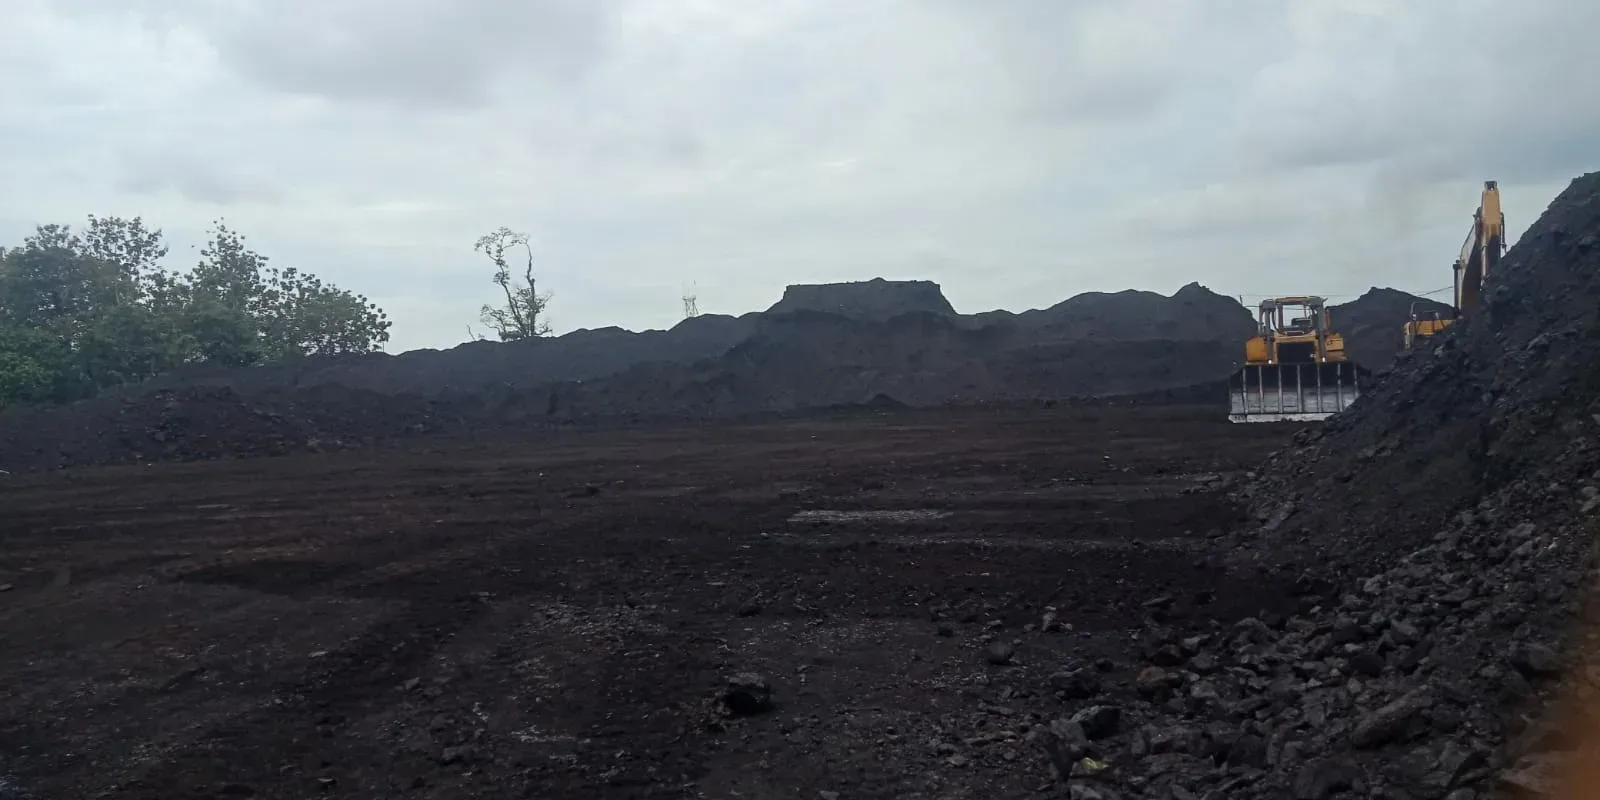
<point x="1480" y="258"/>
<point x="1295" y="368"/>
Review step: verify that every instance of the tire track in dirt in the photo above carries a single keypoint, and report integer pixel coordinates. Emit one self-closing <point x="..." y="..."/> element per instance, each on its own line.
<point x="297" y="730"/>
<point x="493" y="620"/>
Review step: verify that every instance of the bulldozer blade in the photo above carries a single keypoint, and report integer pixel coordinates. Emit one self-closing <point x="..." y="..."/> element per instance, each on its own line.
<point x="1292" y="392"/>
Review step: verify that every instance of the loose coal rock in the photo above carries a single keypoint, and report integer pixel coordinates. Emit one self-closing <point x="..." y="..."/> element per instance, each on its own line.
<point x="1098" y="722"/>
<point x="1535" y="660"/>
<point x="1391" y="721"/>
<point x="1155" y="682"/>
<point x="1076" y="684"/>
<point x="999" y="653"/>
<point x="1248" y="750"/>
<point x="1367" y="663"/>
<point x="747" y="693"/>
<point x="1325" y="778"/>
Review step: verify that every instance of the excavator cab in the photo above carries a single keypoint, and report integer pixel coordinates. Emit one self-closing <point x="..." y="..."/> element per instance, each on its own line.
<point x="1423" y="325"/>
<point x="1295" y="368"/>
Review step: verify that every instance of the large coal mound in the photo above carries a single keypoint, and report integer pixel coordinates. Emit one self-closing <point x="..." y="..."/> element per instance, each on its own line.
<point x="812" y="360"/>
<point x="876" y="299"/>
<point x="1442" y="533"/>
<point x="576" y="356"/>
<point x="821" y="347"/>
<point x="1500" y="395"/>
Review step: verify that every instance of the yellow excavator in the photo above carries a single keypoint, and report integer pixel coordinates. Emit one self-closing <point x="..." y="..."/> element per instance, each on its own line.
<point x="1480" y="257"/>
<point x="1295" y="367"/>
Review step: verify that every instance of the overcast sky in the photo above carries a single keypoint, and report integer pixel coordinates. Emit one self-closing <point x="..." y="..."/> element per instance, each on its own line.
<point x="1015" y="151"/>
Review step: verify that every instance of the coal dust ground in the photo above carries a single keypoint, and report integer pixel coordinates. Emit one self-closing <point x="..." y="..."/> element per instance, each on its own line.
<point x="560" y="616"/>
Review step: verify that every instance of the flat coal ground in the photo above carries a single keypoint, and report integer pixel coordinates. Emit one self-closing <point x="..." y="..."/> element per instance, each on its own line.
<point x="555" y="616"/>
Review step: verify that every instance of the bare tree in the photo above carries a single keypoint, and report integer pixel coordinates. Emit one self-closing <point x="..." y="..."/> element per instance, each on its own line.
<point x="521" y="316"/>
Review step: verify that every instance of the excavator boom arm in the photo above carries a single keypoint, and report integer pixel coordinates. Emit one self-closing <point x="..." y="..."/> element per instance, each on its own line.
<point x="1480" y="254"/>
<point x="1479" y="261"/>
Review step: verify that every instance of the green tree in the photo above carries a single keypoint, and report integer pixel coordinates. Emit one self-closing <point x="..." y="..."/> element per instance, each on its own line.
<point x="81" y="312"/>
<point x="521" y="315"/>
<point x="292" y="313"/>
<point x="57" y="297"/>
<point x="229" y="273"/>
<point x="31" y="364"/>
<point x="132" y="249"/>
<point x="302" y="316"/>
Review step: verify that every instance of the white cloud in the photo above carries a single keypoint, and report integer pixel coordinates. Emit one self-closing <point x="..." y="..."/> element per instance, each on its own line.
<point x="1016" y="151"/>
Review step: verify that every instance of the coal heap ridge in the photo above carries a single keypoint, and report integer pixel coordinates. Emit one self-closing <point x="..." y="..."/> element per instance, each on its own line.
<point x="791" y="358"/>
<point x="874" y="299"/>
<point x="579" y="355"/>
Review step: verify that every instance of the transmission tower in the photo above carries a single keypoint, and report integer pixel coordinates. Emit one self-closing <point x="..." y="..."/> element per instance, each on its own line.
<point x="691" y="304"/>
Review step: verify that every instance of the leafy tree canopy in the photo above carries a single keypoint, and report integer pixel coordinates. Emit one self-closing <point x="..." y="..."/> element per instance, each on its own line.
<point x="81" y="310"/>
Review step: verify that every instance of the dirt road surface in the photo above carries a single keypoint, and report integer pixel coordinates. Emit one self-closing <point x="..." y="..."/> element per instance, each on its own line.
<point x="560" y="617"/>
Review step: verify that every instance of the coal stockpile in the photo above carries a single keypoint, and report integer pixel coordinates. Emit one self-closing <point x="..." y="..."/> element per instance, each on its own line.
<point x="202" y="423"/>
<point x="876" y="342"/>
<point x="1505" y="395"/>
<point x="812" y="360"/>
<point x="576" y="356"/>
<point x="1441" y="534"/>
<point x="876" y="299"/>
<point x="820" y="347"/>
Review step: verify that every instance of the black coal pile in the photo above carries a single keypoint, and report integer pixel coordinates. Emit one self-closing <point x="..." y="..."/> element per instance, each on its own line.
<point x="1193" y="313"/>
<point x="704" y="367"/>
<point x="1093" y="344"/>
<point x="807" y="359"/>
<point x="203" y="423"/>
<point x="576" y="356"/>
<point x="1443" y="535"/>
<point x="862" y="349"/>
<point x="1501" y="398"/>
<point x="877" y="299"/>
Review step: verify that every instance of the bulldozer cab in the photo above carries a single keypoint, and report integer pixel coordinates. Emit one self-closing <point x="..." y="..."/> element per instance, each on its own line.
<point x="1295" y="368"/>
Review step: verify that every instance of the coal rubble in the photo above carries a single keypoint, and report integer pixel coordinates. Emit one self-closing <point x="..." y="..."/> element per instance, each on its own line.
<point x="1427" y="680"/>
<point x="1411" y="685"/>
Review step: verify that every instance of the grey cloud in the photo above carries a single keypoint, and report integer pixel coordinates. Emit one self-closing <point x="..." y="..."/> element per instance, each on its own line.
<point x="195" y="181"/>
<point x="1116" y="61"/>
<point x="683" y="149"/>
<point x="446" y="53"/>
<point x="1371" y="87"/>
<point x="1546" y="156"/>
